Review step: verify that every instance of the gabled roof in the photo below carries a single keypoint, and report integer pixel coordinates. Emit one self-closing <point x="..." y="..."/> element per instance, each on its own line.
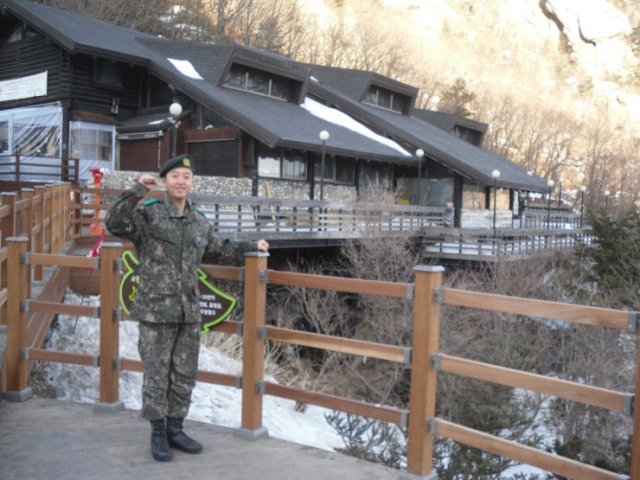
<point x="447" y="121"/>
<point x="472" y="162"/>
<point x="272" y="121"/>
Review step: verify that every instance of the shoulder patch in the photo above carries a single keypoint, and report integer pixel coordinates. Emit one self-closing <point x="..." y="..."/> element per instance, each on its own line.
<point x="196" y="209"/>
<point x="150" y="201"/>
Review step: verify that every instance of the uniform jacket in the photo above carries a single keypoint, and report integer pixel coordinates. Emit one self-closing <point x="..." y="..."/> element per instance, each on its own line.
<point x="170" y="246"/>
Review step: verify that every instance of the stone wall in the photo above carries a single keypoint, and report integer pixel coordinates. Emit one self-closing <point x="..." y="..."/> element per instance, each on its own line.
<point x="241" y="187"/>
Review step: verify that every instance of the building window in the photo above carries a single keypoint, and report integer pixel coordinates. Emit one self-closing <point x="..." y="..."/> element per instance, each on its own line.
<point x="107" y="74"/>
<point x="91" y="141"/>
<point x="473" y="196"/>
<point x="4" y="137"/>
<point x="37" y="140"/>
<point x="382" y="98"/>
<point x="281" y="163"/>
<point x="336" y="169"/>
<point x="257" y="81"/>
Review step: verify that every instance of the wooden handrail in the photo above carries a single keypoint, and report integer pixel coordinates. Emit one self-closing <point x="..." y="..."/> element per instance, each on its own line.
<point x="337" y="344"/>
<point x="384" y="414"/>
<point x="521" y="453"/>
<point x="90" y="263"/>
<point x="63" y="309"/>
<point x="83" y="359"/>
<point x="602" y="317"/>
<point x="576" y="392"/>
<point x="340" y="284"/>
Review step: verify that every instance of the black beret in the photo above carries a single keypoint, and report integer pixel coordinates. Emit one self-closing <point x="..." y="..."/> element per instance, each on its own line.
<point x="178" y="161"/>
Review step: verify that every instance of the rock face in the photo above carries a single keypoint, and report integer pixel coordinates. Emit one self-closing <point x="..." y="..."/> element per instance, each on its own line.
<point x="598" y="34"/>
<point x="586" y="52"/>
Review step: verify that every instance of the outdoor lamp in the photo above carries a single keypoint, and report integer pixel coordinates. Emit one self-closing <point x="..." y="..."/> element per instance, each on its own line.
<point x="560" y="180"/>
<point x="495" y="174"/>
<point x="419" y="154"/>
<point x="175" y="109"/>
<point x="324" y="136"/>
<point x="550" y="183"/>
<point x="583" y="189"/>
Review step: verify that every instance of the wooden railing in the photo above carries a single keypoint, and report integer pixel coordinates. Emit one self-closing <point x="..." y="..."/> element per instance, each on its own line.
<point x="19" y="168"/>
<point x="497" y="245"/>
<point x="423" y="354"/>
<point x="257" y="217"/>
<point x="42" y="216"/>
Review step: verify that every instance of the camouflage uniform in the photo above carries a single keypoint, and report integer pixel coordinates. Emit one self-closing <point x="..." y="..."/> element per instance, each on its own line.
<point x="170" y="246"/>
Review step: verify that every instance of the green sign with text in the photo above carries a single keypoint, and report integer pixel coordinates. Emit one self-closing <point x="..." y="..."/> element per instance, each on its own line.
<point x="215" y="305"/>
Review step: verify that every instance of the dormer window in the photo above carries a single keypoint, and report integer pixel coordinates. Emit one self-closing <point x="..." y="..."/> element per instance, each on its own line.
<point x="383" y="98"/>
<point x="258" y="81"/>
<point x="21" y="33"/>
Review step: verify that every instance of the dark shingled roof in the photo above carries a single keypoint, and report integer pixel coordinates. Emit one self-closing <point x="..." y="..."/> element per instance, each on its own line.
<point x="272" y="121"/>
<point x="472" y="162"/>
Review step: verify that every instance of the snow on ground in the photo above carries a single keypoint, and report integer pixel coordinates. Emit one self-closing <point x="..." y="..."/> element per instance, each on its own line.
<point x="210" y="403"/>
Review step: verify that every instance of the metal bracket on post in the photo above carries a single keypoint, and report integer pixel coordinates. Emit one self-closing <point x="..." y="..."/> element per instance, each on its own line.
<point x="117" y="314"/>
<point x="96" y="263"/>
<point x="404" y="419"/>
<point x="262" y="332"/>
<point x="24" y="353"/>
<point x="264" y="276"/>
<point x="628" y="403"/>
<point x="408" y="353"/>
<point x="432" y="426"/>
<point x="240" y="329"/>
<point x="436" y="361"/>
<point x="241" y="274"/>
<point x="24" y="306"/>
<point x="117" y="364"/>
<point x="239" y="382"/>
<point x="438" y="295"/>
<point x="261" y="387"/>
<point x="25" y="258"/>
<point x="117" y="264"/>
<point x="632" y="322"/>
<point x="411" y="290"/>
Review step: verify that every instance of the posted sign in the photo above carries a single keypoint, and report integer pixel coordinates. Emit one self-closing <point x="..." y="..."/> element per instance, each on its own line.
<point x="215" y="305"/>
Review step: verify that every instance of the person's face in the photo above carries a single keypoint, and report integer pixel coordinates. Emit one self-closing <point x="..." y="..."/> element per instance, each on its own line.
<point x="179" y="182"/>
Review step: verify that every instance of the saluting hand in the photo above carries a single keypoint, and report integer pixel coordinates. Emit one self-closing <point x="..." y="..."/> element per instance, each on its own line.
<point x="148" y="181"/>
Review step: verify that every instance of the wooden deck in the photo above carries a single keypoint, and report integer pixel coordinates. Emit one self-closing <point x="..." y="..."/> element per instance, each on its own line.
<point x="45" y="439"/>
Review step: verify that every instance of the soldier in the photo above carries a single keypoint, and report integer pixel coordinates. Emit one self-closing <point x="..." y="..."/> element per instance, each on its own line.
<point x="172" y="237"/>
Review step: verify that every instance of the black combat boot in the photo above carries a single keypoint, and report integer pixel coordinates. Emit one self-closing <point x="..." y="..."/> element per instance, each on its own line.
<point x="159" y="441"/>
<point x="178" y="439"/>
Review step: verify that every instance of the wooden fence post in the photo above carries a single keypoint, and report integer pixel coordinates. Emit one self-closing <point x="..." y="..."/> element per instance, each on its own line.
<point x="110" y="314"/>
<point x="422" y="400"/>
<point x="27" y="218"/>
<point x="48" y="219"/>
<point x="255" y="302"/>
<point x="8" y="228"/>
<point x="17" y="366"/>
<point x="38" y="241"/>
<point x="634" y="472"/>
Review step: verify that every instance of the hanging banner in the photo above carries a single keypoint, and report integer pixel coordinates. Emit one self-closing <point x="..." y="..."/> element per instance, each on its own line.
<point x="24" y="87"/>
<point x="215" y="305"/>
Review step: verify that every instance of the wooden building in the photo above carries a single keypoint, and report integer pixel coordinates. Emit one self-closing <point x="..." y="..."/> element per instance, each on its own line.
<point x="76" y="88"/>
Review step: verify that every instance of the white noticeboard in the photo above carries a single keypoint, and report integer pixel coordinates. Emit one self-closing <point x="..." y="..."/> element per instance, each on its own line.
<point x="24" y="87"/>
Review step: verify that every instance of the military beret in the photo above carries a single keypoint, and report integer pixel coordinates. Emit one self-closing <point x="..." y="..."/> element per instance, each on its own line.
<point x="178" y="161"/>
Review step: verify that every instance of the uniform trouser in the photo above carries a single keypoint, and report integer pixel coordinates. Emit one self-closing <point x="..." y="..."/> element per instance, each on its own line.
<point x="169" y="352"/>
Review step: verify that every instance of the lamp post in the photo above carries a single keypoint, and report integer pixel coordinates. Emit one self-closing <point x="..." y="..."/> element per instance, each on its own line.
<point x="324" y="136"/>
<point x="560" y="180"/>
<point x="606" y="201"/>
<point x="175" y="109"/>
<point x="582" y="190"/>
<point x="550" y="183"/>
<point x="495" y="174"/>
<point x="419" y="154"/>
